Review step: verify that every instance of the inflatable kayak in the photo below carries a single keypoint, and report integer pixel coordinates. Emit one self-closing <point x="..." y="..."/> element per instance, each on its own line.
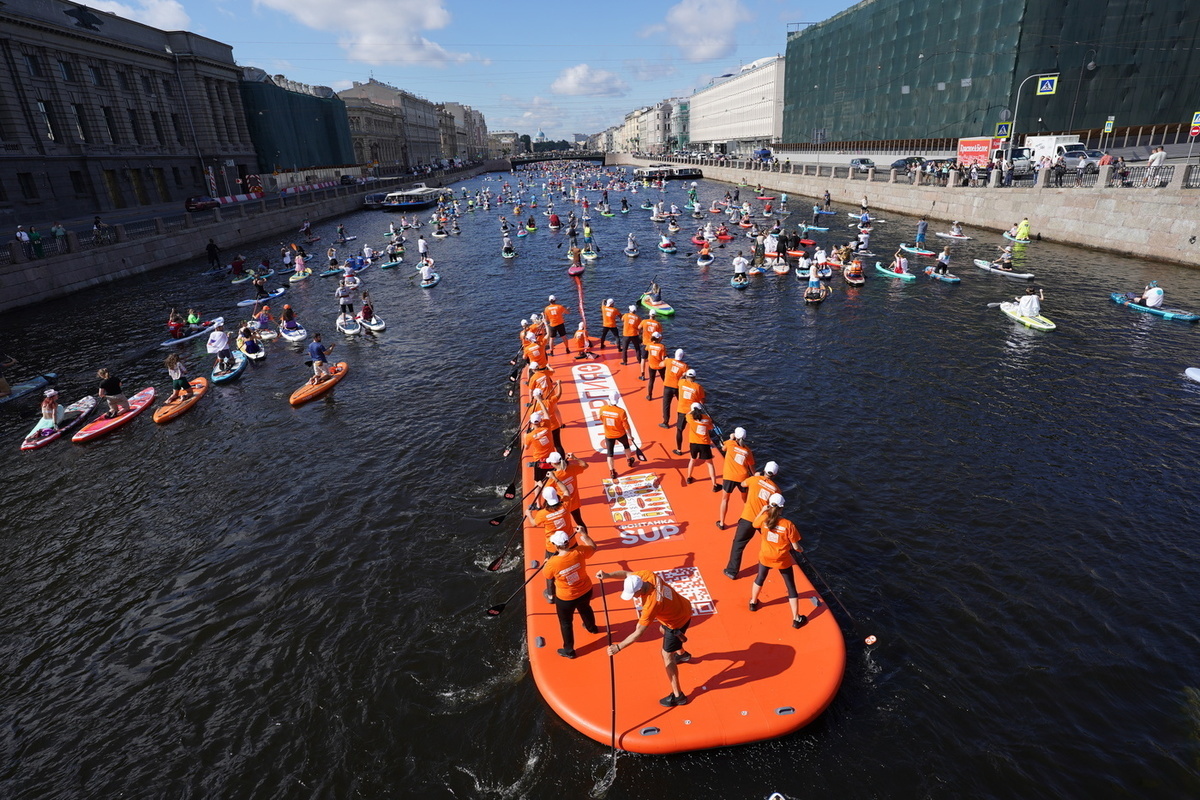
<point x="375" y="325"/>
<point x="725" y="237"/>
<point x="1008" y="273"/>
<point x="239" y="366"/>
<point x="73" y="417"/>
<point x="657" y="306"/>
<point x="201" y="330"/>
<point x="698" y="240"/>
<point x="181" y="405"/>
<point x="947" y="278"/>
<point x="137" y="404"/>
<point x="296" y="334"/>
<point x="919" y="251"/>
<point x="1039" y="322"/>
<point x="952" y="235"/>
<point x="32" y="385"/>
<point x="742" y="284"/>
<point x="1122" y="299"/>
<point x="1012" y="238"/>
<point x="313" y="391"/>
<point x="296" y="277"/>
<point x="254" y="300"/>
<point x="891" y="273"/>
<point x="257" y="354"/>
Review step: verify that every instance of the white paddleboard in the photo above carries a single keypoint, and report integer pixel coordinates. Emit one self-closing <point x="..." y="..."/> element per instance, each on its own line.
<point x="1193" y="373"/>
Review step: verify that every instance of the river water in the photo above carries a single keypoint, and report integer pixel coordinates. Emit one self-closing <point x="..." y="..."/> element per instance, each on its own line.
<point x="267" y="602"/>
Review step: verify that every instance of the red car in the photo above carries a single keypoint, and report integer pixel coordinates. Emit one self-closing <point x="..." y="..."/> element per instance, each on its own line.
<point x="201" y="203"/>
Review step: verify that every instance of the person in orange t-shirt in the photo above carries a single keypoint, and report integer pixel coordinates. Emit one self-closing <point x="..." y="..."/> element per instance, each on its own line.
<point x="700" y="444"/>
<point x="672" y="611"/>
<point x="552" y="517"/>
<point x="780" y="540"/>
<point x="556" y="323"/>
<point x="535" y="353"/>
<point x="630" y="325"/>
<point x="738" y="466"/>
<point x="690" y="391"/>
<point x="655" y="361"/>
<point x="759" y="489"/>
<point x="564" y="478"/>
<point x="539" y="443"/>
<point x="673" y="371"/>
<point x="542" y="377"/>
<point x="548" y="407"/>
<point x="569" y="586"/>
<point x="616" y="430"/>
<point x="582" y="343"/>
<point x="609" y="315"/>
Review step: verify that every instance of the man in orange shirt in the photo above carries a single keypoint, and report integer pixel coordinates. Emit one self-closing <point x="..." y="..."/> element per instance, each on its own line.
<point x="648" y="327"/>
<point x="542" y="377"/>
<point x="672" y="611"/>
<point x="556" y="323"/>
<point x="582" y="343"/>
<point x="539" y="443"/>
<point x="570" y="587"/>
<point x="700" y="444"/>
<point x="608" y="322"/>
<point x="563" y="477"/>
<point x="738" y="466"/>
<point x="779" y="540"/>
<point x="673" y="370"/>
<point x="553" y="517"/>
<point x="616" y="430"/>
<point x="547" y="406"/>
<point x="535" y="353"/>
<point x="759" y="489"/>
<point x="655" y="361"/>
<point x="630" y="325"/>
<point x="689" y="392"/>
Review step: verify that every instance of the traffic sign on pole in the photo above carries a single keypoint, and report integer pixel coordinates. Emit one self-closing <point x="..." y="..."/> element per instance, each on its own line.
<point x="1003" y="130"/>
<point x="1196" y="118"/>
<point x="1047" y="85"/>
<point x="1108" y="126"/>
<point x="1195" y="131"/>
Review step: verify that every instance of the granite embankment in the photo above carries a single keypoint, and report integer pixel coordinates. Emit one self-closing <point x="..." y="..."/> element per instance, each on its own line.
<point x="1160" y="223"/>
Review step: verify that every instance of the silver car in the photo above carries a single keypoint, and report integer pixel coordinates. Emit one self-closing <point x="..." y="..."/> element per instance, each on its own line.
<point x="1087" y="160"/>
<point x="862" y="164"/>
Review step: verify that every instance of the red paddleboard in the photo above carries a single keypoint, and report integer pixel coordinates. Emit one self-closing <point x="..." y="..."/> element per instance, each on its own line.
<point x="752" y="675"/>
<point x="313" y="391"/>
<point x="137" y="404"/>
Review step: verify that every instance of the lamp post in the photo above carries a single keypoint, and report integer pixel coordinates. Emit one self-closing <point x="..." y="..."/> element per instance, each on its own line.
<point x="1089" y="65"/>
<point x="1017" y="107"/>
<point x="187" y="106"/>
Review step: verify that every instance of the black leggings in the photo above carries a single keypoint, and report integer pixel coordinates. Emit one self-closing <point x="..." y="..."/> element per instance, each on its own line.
<point x="604" y="332"/>
<point x="653" y="372"/>
<point x="566" y="616"/>
<point x="789" y="579"/>
<point x="741" y="537"/>
<point x="626" y="342"/>
<point x="669" y="395"/>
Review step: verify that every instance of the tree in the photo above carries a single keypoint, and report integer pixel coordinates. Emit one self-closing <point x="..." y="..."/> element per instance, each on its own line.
<point x="525" y="140"/>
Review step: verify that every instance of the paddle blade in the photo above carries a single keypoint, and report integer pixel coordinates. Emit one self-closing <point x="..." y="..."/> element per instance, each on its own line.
<point x="496" y="610"/>
<point x="640" y="455"/>
<point x="510" y="492"/>
<point x="495" y="565"/>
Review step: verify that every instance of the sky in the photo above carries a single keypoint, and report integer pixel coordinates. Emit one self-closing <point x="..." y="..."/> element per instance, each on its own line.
<point x="565" y="68"/>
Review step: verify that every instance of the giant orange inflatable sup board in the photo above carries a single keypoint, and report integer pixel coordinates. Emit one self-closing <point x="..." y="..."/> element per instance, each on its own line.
<point x="752" y="675"/>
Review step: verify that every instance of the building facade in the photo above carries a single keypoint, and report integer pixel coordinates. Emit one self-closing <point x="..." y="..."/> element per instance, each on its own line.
<point x="470" y="131"/>
<point x="99" y="113"/>
<point x="941" y="69"/>
<point x="294" y="125"/>
<point x="742" y="111"/>
<point x="502" y="144"/>
<point x="422" y="139"/>
<point x="681" y="137"/>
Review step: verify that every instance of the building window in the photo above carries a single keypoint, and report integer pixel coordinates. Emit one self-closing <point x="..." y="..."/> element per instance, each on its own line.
<point x="47" y="122"/>
<point x="78" y="120"/>
<point x="77" y="182"/>
<point x="167" y="88"/>
<point x="216" y="121"/>
<point x="123" y="80"/>
<point x="65" y="69"/>
<point x="159" y="138"/>
<point x="97" y="75"/>
<point x="178" y="176"/>
<point x="31" y="64"/>
<point x="178" y="129"/>
<point x="28" y="187"/>
<point x="196" y="176"/>
<point x="135" y="125"/>
<point x="147" y="87"/>
<point x="110" y="124"/>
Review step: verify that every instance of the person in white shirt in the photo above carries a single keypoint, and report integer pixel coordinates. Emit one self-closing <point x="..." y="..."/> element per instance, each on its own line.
<point x="1157" y="159"/>
<point x="218" y="345"/>
<point x="740" y="265"/>
<point x="1030" y="305"/>
<point x="1152" y="297"/>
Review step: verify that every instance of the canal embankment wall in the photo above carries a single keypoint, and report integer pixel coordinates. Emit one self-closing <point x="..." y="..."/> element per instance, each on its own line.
<point x="165" y="241"/>
<point x="1159" y="223"/>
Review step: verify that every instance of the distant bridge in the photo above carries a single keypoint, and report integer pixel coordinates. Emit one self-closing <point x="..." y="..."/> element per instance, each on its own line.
<point x="557" y="155"/>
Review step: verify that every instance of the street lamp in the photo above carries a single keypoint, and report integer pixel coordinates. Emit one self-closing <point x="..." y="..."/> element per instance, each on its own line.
<point x="187" y="106"/>
<point x="1089" y="65"/>
<point x="1017" y="107"/>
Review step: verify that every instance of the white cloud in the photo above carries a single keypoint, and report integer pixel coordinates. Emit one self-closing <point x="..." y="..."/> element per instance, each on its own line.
<point x="644" y="70"/>
<point x="167" y="15"/>
<point x="702" y="29"/>
<point x="377" y="31"/>
<point x="583" y="80"/>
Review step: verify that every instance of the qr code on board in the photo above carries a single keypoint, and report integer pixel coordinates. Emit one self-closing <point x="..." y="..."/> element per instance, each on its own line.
<point x="689" y="583"/>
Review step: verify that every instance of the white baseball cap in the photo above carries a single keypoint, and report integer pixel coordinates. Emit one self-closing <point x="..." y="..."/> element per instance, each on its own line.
<point x="633" y="308"/>
<point x="777" y="500"/>
<point x="691" y="373"/>
<point x="739" y="433"/>
<point x="560" y="538"/>
<point x="679" y="354"/>
<point x="771" y="468"/>
<point x="551" y="298"/>
<point x="538" y="416"/>
<point x="554" y="457"/>
<point x="633" y="584"/>
<point x="551" y="496"/>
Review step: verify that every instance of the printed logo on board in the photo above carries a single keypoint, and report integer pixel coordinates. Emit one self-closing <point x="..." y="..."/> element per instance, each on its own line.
<point x="594" y="383"/>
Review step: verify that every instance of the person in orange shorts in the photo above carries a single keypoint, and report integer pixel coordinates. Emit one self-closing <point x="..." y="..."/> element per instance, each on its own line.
<point x="700" y="444"/>
<point x="673" y="369"/>
<point x="569" y="586"/>
<point x="672" y="611"/>
<point x="654" y="364"/>
<point x="759" y="489"/>
<point x="616" y="430"/>
<point x="779" y="540"/>
<point x="738" y="466"/>
<point x="556" y="326"/>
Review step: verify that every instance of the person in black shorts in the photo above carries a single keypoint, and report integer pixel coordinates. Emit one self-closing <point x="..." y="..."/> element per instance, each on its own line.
<point x="606" y="330"/>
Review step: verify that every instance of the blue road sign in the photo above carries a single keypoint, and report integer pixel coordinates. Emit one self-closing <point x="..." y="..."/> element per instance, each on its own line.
<point x="1047" y="85"/>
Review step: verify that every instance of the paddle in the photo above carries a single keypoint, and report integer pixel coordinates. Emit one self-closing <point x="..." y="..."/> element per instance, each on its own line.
<point x="498" y="609"/>
<point x="871" y="638"/>
<point x="994" y="305"/>
<point x="610" y="776"/>
<point x="495" y="521"/>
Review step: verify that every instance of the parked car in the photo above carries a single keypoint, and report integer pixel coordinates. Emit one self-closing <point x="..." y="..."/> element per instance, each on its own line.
<point x="200" y="203"/>
<point x="903" y="163"/>
<point x="1087" y="160"/>
<point x="862" y="164"/>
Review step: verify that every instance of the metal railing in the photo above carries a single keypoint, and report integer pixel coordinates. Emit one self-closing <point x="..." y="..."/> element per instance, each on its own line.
<point x="1191" y="178"/>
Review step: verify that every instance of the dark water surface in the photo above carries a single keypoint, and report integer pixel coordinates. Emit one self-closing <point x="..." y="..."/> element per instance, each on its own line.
<point x="267" y="602"/>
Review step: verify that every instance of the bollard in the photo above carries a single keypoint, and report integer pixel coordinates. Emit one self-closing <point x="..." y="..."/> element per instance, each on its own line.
<point x="160" y="227"/>
<point x="892" y="176"/>
<point x="120" y="230"/>
<point x="1043" y="178"/>
<point x="1104" y="179"/>
<point x="72" y="242"/>
<point x="994" y="179"/>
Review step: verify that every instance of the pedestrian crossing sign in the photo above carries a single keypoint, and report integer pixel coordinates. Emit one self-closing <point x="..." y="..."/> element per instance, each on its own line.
<point x="1003" y="130"/>
<point x="1196" y="118"/>
<point x="1047" y="85"/>
<point x="1108" y="126"/>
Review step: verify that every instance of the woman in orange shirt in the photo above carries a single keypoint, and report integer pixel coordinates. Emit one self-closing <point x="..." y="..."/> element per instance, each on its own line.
<point x="616" y="430"/>
<point x="548" y="406"/>
<point x="539" y="443"/>
<point x="738" y="466"/>
<point x="562" y="477"/>
<point x="779" y="540"/>
<point x="655" y="361"/>
<point x="608" y="322"/>
<point x="569" y="586"/>
<point x="583" y="345"/>
<point x="699" y="430"/>
<point x="690" y="391"/>
<point x="673" y="370"/>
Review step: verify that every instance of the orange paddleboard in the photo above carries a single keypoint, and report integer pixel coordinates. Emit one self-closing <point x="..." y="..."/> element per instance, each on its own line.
<point x="313" y="391"/>
<point x="173" y="408"/>
<point x="752" y="675"/>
